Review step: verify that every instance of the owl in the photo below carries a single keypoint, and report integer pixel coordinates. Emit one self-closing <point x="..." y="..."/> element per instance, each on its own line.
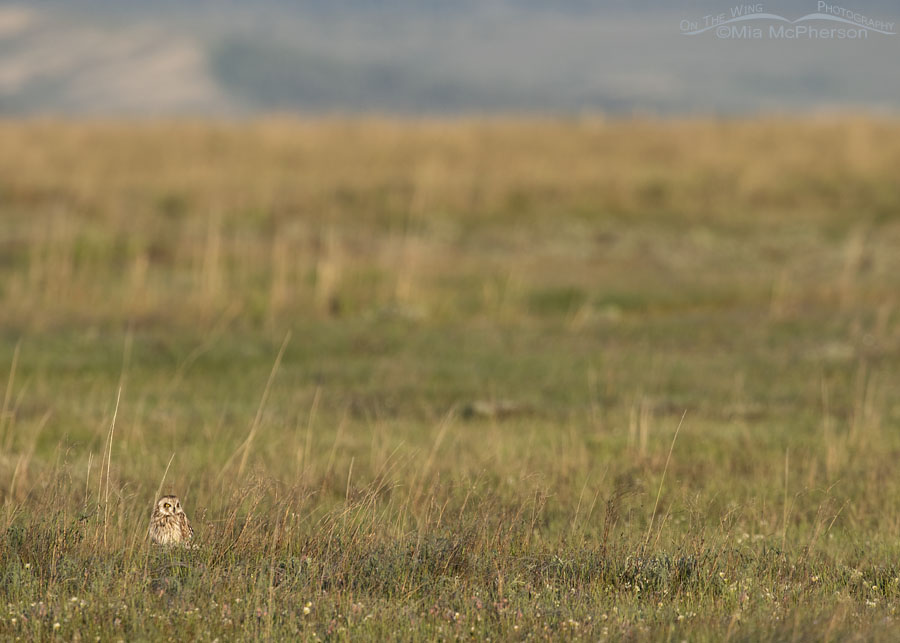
<point x="169" y="525"/>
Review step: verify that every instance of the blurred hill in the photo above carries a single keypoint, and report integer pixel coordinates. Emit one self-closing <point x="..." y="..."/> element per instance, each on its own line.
<point x="233" y="58"/>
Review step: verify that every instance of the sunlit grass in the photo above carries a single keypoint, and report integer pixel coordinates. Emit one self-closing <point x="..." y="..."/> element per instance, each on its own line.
<point x="422" y="380"/>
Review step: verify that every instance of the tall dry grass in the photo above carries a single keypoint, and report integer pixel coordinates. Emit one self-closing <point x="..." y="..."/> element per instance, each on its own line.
<point x="421" y="380"/>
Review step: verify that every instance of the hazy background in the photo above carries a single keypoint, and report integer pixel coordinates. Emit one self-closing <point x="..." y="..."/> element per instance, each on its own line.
<point x="233" y="58"/>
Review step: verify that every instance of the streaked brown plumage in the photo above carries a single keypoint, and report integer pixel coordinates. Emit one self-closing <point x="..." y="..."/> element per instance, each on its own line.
<point x="169" y="525"/>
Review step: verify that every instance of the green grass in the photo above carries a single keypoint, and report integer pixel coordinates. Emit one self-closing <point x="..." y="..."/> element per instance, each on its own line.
<point x="493" y="329"/>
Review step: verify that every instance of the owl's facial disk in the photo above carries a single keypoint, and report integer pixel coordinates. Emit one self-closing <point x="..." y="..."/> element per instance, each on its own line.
<point x="169" y="506"/>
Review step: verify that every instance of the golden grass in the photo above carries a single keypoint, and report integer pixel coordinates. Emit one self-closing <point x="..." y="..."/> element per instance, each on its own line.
<point x="494" y="327"/>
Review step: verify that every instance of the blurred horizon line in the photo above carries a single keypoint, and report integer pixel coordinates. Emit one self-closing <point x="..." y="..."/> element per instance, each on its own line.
<point x="227" y="60"/>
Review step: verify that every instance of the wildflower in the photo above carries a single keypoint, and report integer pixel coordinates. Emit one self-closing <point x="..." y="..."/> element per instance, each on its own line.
<point x="56" y="625"/>
<point x="307" y="608"/>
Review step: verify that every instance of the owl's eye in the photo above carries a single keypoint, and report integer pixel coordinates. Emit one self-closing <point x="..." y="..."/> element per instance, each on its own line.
<point x="167" y="506"/>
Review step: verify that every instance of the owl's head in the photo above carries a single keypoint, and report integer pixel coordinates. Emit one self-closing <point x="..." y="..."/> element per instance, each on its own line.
<point x="169" y="506"/>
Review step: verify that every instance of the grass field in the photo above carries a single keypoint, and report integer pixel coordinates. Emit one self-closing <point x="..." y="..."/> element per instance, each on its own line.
<point x="424" y="380"/>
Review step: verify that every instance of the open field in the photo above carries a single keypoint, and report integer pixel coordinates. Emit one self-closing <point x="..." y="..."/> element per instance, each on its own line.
<point x="421" y="380"/>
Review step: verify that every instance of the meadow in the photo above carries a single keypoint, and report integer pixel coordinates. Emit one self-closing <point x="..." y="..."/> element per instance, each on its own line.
<point x="488" y="379"/>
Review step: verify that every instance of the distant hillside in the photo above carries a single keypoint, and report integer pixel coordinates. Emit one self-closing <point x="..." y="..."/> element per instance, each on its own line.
<point x="230" y="57"/>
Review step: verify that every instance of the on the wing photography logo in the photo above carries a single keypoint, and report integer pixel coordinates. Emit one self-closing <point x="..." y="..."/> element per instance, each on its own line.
<point x="753" y="22"/>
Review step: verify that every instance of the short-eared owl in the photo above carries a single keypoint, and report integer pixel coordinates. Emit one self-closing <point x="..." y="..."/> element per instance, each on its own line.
<point x="169" y="525"/>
